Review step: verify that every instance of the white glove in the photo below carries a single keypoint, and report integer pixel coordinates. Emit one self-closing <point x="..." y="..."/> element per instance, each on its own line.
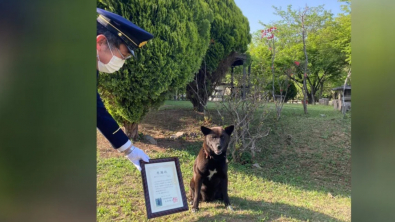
<point x="136" y="155"/>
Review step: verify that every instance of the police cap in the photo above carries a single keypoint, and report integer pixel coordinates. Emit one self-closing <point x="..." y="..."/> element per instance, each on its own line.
<point x="133" y="36"/>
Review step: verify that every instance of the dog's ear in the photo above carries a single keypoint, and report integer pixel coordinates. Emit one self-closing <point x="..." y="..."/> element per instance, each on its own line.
<point x="205" y="130"/>
<point x="229" y="129"/>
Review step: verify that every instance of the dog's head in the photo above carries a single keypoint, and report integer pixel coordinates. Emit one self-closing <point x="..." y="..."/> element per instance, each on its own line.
<point x="217" y="139"/>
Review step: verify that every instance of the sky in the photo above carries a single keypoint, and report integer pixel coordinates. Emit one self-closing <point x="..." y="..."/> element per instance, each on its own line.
<point x="262" y="10"/>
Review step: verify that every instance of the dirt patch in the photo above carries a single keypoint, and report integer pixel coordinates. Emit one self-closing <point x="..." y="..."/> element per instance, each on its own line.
<point x="161" y="125"/>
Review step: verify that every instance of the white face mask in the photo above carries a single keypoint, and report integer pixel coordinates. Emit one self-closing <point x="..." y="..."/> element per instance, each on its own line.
<point x="113" y="65"/>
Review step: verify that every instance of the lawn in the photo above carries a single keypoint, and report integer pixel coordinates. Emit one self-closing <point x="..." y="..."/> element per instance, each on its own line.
<point x="305" y="172"/>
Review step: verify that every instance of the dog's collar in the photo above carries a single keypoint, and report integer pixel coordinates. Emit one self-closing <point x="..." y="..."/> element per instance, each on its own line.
<point x="212" y="157"/>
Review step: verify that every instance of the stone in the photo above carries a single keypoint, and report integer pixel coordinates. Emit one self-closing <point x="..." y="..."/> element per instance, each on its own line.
<point x="177" y="135"/>
<point x="257" y="166"/>
<point x="150" y="139"/>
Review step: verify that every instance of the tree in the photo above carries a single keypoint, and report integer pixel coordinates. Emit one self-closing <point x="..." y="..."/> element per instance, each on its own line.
<point x="302" y="24"/>
<point x="345" y="22"/>
<point x="229" y="35"/>
<point x="344" y="31"/>
<point x="311" y="38"/>
<point x="269" y="70"/>
<point x="181" y="32"/>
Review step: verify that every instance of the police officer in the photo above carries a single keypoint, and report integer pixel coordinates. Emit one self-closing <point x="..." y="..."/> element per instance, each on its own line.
<point x="116" y="39"/>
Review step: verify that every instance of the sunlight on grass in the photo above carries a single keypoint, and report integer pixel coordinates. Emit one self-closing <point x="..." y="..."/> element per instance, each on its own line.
<point x="120" y="195"/>
<point x="308" y="179"/>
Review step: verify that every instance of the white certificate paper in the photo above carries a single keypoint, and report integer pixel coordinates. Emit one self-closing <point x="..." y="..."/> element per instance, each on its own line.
<point x="163" y="186"/>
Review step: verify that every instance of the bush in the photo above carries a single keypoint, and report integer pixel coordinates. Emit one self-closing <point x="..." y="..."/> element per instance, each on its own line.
<point x="181" y="32"/>
<point x="291" y="93"/>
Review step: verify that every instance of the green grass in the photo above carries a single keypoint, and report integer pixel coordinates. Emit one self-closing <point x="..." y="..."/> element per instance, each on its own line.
<point x="293" y="184"/>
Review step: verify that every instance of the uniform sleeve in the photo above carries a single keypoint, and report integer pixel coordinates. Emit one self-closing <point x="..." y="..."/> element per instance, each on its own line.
<point x="109" y="127"/>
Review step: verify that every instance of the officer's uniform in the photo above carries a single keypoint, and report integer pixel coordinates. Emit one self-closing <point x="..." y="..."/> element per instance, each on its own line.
<point x="134" y="37"/>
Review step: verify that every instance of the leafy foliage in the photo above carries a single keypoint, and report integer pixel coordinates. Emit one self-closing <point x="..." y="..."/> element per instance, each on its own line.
<point x="229" y="35"/>
<point x="181" y="32"/>
<point x="328" y="48"/>
<point x="229" y="32"/>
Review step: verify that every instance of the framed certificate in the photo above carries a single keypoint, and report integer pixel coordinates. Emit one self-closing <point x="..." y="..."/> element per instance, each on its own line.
<point x="163" y="187"/>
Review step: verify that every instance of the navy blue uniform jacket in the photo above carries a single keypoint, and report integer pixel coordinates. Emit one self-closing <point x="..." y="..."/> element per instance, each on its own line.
<point x="108" y="126"/>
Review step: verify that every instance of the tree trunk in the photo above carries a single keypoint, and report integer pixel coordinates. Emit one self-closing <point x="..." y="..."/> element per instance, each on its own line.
<point x="131" y="130"/>
<point x="199" y="101"/>
<point x="243" y="95"/>
<point x="321" y="89"/>
<point x="306" y="63"/>
<point x="197" y="105"/>
<point x="272" y="68"/>
<point x="199" y="90"/>
<point x="199" y="108"/>
<point x="312" y="95"/>
<point x="249" y="80"/>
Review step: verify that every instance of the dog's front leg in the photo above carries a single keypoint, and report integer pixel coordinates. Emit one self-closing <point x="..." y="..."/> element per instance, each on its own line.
<point x="191" y="190"/>
<point x="224" y="188"/>
<point x="198" y="185"/>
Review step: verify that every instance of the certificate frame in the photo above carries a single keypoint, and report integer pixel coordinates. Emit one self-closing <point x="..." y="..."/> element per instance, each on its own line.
<point x="146" y="174"/>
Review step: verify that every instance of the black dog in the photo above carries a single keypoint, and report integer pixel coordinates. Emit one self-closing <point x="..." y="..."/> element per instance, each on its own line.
<point x="210" y="170"/>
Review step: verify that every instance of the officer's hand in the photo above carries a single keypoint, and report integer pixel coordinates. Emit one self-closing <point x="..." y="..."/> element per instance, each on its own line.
<point x="136" y="155"/>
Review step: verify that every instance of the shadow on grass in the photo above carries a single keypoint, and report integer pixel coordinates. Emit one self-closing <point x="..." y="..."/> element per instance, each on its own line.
<point x="265" y="211"/>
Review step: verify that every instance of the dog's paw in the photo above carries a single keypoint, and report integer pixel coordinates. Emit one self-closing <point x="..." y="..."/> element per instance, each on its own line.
<point x="195" y="210"/>
<point x="230" y="208"/>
